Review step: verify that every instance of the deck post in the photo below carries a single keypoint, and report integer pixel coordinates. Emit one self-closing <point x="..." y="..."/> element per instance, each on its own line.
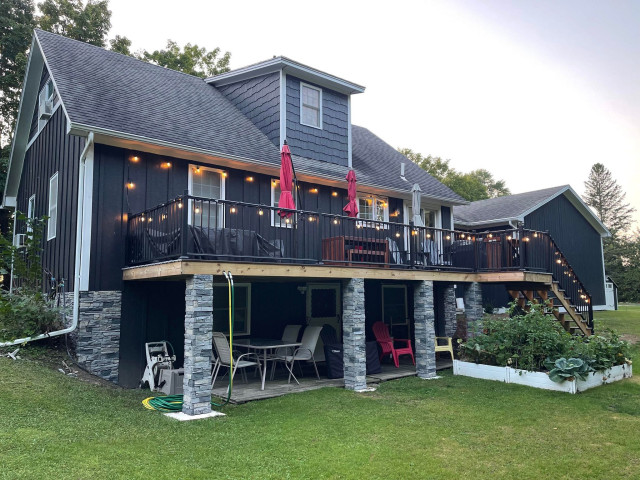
<point x="424" y="325"/>
<point x="473" y="310"/>
<point x="198" y="339"/>
<point x="450" y="323"/>
<point x="353" y="335"/>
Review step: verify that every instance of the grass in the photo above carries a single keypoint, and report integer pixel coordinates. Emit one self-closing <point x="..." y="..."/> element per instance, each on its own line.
<point x="455" y="427"/>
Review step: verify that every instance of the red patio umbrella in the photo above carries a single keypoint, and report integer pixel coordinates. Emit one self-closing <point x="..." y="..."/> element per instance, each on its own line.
<point x="286" y="182"/>
<point x="352" y="207"/>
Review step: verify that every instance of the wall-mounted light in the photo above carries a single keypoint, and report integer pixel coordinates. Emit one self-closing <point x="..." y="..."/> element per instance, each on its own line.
<point x="134" y="158"/>
<point x="224" y="174"/>
<point x="334" y="194"/>
<point x="197" y="170"/>
<point x="130" y="185"/>
<point x="165" y="165"/>
<point x="249" y="179"/>
<point x="313" y="190"/>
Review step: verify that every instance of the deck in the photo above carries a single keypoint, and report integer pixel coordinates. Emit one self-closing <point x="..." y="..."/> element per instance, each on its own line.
<point x="250" y="391"/>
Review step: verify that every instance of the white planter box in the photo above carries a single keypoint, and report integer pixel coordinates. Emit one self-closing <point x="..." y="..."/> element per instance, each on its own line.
<point x="540" y="379"/>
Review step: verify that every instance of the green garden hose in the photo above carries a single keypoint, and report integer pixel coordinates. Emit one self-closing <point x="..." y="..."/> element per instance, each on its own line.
<point x="173" y="403"/>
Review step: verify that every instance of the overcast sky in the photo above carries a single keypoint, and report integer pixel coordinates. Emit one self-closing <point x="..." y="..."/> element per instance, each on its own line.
<point x="534" y="91"/>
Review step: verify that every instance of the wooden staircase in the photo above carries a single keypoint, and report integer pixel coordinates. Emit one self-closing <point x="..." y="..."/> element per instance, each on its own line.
<point x="572" y="320"/>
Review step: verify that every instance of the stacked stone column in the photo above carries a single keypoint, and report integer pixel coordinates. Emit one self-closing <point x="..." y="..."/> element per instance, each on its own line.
<point x="198" y="338"/>
<point x="353" y="335"/>
<point x="473" y="310"/>
<point x="450" y="324"/>
<point x="424" y="326"/>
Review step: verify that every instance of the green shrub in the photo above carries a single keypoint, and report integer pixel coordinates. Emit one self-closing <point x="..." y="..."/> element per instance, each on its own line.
<point x="25" y="314"/>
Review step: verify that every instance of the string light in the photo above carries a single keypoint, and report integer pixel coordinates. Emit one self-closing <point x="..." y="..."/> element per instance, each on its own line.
<point x="525" y="239"/>
<point x="398" y="234"/>
<point x="232" y="210"/>
<point x="224" y="174"/>
<point x="490" y="235"/>
<point x="428" y="235"/>
<point x="448" y="237"/>
<point x="197" y="210"/>
<point x="508" y="237"/>
<point x="260" y="212"/>
<point x="335" y="221"/>
<point x="180" y="204"/>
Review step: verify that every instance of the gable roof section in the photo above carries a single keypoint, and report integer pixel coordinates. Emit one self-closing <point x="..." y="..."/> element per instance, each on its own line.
<point x="379" y="164"/>
<point x="118" y="96"/>
<point x="513" y="208"/>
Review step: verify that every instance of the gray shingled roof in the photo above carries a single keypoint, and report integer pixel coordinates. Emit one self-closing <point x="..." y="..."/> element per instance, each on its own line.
<point x="510" y="207"/>
<point x="101" y="89"/>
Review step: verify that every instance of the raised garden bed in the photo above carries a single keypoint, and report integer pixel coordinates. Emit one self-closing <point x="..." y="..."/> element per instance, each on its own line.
<point x="540" y="379"/>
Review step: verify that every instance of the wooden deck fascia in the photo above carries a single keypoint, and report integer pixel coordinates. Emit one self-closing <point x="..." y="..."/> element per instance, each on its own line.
<point x="178" y="269"/>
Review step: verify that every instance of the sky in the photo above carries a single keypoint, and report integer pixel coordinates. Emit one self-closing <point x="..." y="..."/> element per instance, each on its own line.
<point x="534" y="91"/>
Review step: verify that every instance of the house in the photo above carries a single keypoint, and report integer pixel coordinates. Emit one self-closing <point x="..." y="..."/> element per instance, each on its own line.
<point x="156" y="182"/>
<point x="561" y="213"/>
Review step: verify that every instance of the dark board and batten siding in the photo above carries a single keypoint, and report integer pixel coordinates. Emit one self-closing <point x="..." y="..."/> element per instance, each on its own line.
<point x="329" y="144"/>
<point x="54" y="151"/>
<point x="259" y="100"/>
<point x="577" y="239"/>
<point x="446" y="218"/>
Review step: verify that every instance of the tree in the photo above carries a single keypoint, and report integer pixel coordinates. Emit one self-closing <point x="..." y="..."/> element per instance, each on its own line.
<point x="16" y="25"/>
<point x="622" y="264"/>
<point x="121" y="44"/>
<point x="495" y="188"/>
<point x="434" y="166"/>
<point x="467" y="185"/>
<point x="608" y="199"/>
<point x="88" y="23"/>
<point x="191" y="59"/>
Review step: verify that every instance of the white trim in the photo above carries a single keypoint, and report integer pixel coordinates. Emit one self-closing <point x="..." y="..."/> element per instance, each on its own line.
<point x="349" y="141"/>
<point x="283" y="108"/>
<point x="363" y="196"/>
<point x="319" y="90"/>
<point x="53" y="220"/>
<point x="248" y="286"/>
<point x="301" y="71"/>
<point x="39" y="131"/>
<point x="87" y="213"/>
<point x="222" y="190"/>
<point x="291" y="220"/>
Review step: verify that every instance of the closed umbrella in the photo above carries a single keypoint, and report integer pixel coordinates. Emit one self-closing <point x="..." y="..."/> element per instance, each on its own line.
<point x="415" y="205"/>
<point x="352" y="207"/>
<point x="286" y="183"/>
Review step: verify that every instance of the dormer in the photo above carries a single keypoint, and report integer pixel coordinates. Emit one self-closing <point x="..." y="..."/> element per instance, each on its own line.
<point x="290" y="101"/>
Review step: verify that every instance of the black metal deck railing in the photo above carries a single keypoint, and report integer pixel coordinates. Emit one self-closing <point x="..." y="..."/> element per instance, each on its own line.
<point x="223" y="230"/>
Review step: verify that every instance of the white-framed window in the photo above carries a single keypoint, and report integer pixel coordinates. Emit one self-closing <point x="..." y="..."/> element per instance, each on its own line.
<point x="394" y="305"/>
<point x="206" y="182"/>
<point x="52" y="222"/>
<point x="45" y="95"/>
<point x="276" y="220"/>
<point x="310" y="106"/>
<point x="31" y="212"/>
<point x="372" y="207"/>
<point x="242" y="317"/>
<point x="430" y="218"/>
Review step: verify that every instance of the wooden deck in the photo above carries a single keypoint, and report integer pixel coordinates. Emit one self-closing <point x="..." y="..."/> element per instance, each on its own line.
<point x="250" y="391"/>
<point x="176" y="269"/>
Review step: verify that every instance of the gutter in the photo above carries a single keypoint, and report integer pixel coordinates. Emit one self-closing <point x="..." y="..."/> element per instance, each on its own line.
<point x="79" y="239"/>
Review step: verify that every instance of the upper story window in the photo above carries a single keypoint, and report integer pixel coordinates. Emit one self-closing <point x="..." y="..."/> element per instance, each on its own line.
<point x="45" y="104"/>
<point x="208" y="183"/>
<point x="372" y="207"/>
<point x="310" y="106"/>
<point x="429" y="217"/>
<point x="277" y="220"/>
<point x="52" y="222"/>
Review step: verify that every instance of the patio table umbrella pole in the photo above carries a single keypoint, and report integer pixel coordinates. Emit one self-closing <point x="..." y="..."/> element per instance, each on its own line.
<point x="416" y="219"/>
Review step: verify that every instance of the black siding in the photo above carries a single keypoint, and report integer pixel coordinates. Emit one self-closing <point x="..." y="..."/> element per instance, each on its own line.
<point x="577" y="239"/>
<point x="446" y="218"/>
<point x="54" y="151"/>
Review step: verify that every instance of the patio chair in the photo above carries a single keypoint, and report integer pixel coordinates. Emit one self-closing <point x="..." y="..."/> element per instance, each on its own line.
<point x="290" y="334"/>
<point x="387" y="343"/>
<point x="223" y="358"/>
<point x="447" y="346"/>
<point x="302" y="353"/>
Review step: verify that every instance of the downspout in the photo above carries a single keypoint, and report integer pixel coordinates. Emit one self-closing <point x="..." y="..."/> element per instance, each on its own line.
<point x="79" y="239"/>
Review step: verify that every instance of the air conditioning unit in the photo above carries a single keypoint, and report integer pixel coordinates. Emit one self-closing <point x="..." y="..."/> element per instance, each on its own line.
<point x="19" y="240"/>
<point x="46" y="109"/>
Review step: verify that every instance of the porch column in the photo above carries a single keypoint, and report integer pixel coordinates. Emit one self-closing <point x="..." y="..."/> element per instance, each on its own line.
<point x="450" y="323"/>
<point x="473" y="310"/>
<point x="424" y="326"/>
<point x="353" y="335"/>
<point x="198" y="338"/>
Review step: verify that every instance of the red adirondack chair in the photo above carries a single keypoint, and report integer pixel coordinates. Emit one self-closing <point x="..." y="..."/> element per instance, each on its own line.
<point x="387" y="342"/>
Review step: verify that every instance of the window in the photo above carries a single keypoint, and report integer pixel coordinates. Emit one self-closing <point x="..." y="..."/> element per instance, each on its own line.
<point x="242" y="319"/>
<point x="310" y="106"/>
<point x="373" y="208"/>
<point x="206" y="182"/>
<point x="276" y="220"/>
<point x="394" y="304"/>
<point x="53" y="207"/>
<point x="31" y="212"/>
<point x="45" y="95"/>
<point x="428" y="217"/>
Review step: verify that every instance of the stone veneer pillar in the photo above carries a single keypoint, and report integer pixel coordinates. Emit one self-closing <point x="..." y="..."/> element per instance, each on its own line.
<point x="97" y="337"/>
<point x="473" y="310"/>
<point x="353" y="335"/>
<point x="424" y="327"/>
<point x="198" y="339"/>
<point x="450" y="323"/>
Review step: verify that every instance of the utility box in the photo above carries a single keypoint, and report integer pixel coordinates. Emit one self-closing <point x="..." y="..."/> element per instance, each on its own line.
<point x="170" y="381"/>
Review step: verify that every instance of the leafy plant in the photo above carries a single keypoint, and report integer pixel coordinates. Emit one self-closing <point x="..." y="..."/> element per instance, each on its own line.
<point x="563" y="369"/>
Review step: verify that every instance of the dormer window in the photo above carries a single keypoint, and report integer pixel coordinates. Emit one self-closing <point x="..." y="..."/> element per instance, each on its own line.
<point x="310" y="106"/>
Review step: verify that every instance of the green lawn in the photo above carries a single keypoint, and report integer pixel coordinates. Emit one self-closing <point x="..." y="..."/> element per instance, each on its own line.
<point x="455" y="427"/>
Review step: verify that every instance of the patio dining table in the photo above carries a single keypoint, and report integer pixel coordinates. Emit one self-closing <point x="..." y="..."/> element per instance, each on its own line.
<point x="266" y="345"/>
